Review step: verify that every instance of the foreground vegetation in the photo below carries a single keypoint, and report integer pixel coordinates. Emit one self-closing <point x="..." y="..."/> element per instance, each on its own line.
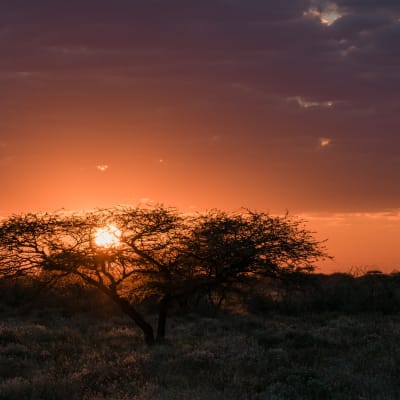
<point x="79" y="345"/>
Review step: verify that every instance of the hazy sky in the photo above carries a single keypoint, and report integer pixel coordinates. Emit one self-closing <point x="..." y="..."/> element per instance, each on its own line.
<point x="273" y="105"/>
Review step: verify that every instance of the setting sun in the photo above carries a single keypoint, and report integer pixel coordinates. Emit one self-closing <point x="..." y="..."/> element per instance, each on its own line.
<point x="108" y="237"/>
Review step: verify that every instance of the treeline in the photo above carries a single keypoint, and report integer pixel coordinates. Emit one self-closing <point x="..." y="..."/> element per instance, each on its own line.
<point x="313" y="293"/>
<point x="337" y="292"/>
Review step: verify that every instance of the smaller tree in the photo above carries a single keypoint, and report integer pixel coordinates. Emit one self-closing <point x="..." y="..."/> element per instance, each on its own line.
<point x="231" y="249"/>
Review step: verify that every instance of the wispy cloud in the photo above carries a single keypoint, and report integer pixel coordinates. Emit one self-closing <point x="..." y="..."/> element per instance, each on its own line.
<point x="348" y="218"/>
<point x="307" y="103"/>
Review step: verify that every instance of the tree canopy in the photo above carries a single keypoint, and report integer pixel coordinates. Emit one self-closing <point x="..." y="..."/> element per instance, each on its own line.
<point x="160" y="253"/>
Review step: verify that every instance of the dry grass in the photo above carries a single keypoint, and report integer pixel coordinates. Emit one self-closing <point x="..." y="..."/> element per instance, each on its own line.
<point x="46" y="354"/>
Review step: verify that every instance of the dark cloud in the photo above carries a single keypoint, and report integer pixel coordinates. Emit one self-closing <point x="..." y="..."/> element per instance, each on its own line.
<point x="372" y="6"/>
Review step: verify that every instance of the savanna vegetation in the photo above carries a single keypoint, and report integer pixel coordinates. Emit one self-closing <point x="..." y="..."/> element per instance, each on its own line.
<point x="247" y="316"/>
<point x="156" y="253"/>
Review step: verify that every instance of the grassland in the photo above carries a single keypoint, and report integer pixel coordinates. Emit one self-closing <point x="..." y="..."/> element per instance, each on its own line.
<point x="50" y="350"/>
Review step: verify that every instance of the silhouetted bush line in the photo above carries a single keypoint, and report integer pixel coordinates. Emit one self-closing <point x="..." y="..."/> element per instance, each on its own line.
<point x="29" y="295"/>
<point x="316" y="293"/>
<point x="338" y="292"/>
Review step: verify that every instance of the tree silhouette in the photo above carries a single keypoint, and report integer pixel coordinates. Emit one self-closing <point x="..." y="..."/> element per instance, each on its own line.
<point x="162" y="254"/>
<point x="228" y="249"/>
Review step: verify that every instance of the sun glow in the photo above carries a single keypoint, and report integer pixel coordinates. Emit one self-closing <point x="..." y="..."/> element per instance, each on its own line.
<point x="107" y="237"/>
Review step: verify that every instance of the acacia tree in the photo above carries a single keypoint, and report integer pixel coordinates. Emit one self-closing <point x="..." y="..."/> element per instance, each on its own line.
<point x="228" y="249"/>
<point x="62" y="245"/>
<point x="161" y="253"/>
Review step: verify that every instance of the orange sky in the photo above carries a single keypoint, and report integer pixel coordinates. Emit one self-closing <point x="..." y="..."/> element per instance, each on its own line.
<point x="359" y="242"/>
<point x="275" y="106"/>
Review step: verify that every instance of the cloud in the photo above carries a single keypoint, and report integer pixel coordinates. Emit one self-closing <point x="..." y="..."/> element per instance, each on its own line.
<point x="389" y="217"/>
<point x="102" y="167"/>
<point x="304" y="103"/>
<point x="327" y="15"/>
<point x="264" y="46"/>
<point x="324" y="142"/>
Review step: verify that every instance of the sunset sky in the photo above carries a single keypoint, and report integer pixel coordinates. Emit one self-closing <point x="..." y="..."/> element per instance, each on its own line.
<point x="272" y="105"/>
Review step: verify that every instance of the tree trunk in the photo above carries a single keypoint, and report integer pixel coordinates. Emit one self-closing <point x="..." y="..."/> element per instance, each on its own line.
<point x="162" y="317"/>
<point x="125" y="306"/>
<point x="129" y="310"/>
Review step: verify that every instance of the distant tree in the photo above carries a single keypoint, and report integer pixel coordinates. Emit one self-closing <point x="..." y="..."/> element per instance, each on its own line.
<point x="160" y="254"/>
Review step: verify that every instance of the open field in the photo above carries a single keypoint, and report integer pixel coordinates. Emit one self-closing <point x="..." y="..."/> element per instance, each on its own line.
<point x="57" y="353"/>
